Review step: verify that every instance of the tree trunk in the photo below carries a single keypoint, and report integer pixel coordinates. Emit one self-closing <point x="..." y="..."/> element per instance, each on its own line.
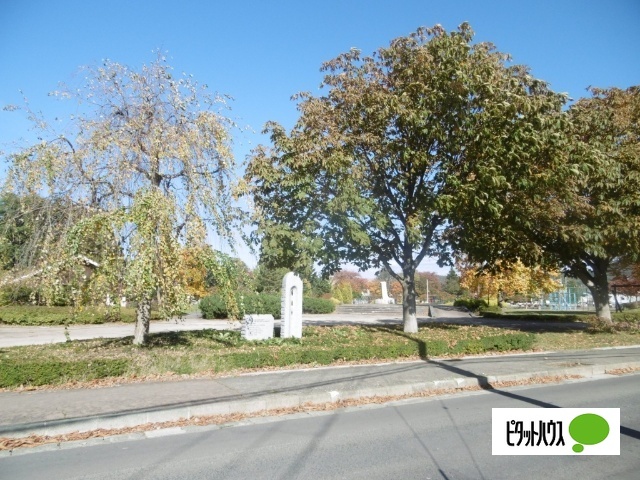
<point x="409" y="318"/>
<point x="143" y="316"/>
<point x="600" y="294"/>
<point x="598" y="284"/>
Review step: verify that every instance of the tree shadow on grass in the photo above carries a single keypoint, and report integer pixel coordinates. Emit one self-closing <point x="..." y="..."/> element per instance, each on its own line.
<point x="226" y="338"/>
<point x="185" y="338"/>
<point x="397" y="330"/>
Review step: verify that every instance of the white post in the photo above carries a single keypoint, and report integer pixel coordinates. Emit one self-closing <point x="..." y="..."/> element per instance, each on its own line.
<point x="291" y="306"/>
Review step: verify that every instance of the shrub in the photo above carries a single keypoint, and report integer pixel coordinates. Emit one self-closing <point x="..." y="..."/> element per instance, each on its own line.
<point x="472" y="304"/>
<point x="489" y="311"/>
<point x="261" y="304"/>
<point x="317" y="305"/>
<point x="498" y="343"/>
<point x="16" y="373"/>
<point x="36" y="315"/>
<point x="631" y="316"/>
<point x="213" y="306"/>
<point x="16" y="295"/>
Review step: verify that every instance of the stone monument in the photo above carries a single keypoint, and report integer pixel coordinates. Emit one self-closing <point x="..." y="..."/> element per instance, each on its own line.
<point x="291" y="306"/>
<point x="257" y="327"/>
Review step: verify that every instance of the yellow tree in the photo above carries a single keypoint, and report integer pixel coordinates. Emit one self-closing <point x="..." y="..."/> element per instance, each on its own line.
<point x="194" y="274"/>
<point x="509" y="278"/>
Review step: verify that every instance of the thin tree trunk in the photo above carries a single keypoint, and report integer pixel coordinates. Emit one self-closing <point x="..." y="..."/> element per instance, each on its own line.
<point x="143" y="316"/>
<point x="409" y="318"/>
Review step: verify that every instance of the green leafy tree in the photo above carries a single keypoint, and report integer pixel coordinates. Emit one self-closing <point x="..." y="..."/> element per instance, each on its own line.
<point x="23" y="222"/>
<point x="577" y="208"/>
<point x="148" y="168"/>
<point x="319" y="286"/>
<point x="372" y="169"/>
<point x="269" y="280"/>
<point x="604" y="223"/>
<point x="17" y="225"/>
<point x="343" y="292"/>
<point x="452" y="283"/>
<point x="244" y="278"/>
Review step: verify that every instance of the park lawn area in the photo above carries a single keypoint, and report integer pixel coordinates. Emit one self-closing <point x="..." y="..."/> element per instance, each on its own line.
<point x="219" y="352"/>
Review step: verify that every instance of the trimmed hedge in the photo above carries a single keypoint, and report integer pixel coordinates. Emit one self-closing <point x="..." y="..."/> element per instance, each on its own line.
<point x="225" y="351"/>
<point x="262" y="304"/>
<point x="472" y="304"/>
<point x="317" y="305"/>
<point x="13" y="373"/>
<point x="214" y="306"/>
<point x="538" y="315"/>
<point x="29" y="315"/>
<point x="631" y="316"/>
<point x="498" y="343"/>
<point x="491" y="311"/>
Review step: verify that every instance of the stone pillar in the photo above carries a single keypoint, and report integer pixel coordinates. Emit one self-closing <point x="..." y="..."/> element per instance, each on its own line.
<point x="291" y="306"/>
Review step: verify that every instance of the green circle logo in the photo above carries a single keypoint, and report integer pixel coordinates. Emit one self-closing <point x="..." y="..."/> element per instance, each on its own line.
<point x="588" y="429"/>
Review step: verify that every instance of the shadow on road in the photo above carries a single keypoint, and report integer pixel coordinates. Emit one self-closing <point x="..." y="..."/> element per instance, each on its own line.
<point x="483" y="382"/>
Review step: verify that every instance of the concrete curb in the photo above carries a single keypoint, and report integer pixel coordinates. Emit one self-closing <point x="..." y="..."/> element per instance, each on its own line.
<point x="276" y="401"/>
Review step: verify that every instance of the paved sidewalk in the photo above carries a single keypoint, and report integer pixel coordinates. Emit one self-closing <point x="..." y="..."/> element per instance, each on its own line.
<point x="64" y="411"/>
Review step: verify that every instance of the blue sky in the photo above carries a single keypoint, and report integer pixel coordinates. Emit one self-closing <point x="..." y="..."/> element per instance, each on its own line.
<point x="262" y="52"/>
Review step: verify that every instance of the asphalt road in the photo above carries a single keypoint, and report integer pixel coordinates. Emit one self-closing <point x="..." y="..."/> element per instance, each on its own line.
<point x="448" y="438"/>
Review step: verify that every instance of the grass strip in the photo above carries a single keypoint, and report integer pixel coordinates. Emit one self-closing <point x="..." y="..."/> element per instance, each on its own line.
<point x="219" y="352"/>
<point x="207" y="353"/>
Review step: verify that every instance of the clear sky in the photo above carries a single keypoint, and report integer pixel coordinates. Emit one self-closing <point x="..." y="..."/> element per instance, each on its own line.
<point x="262" y="52"/>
